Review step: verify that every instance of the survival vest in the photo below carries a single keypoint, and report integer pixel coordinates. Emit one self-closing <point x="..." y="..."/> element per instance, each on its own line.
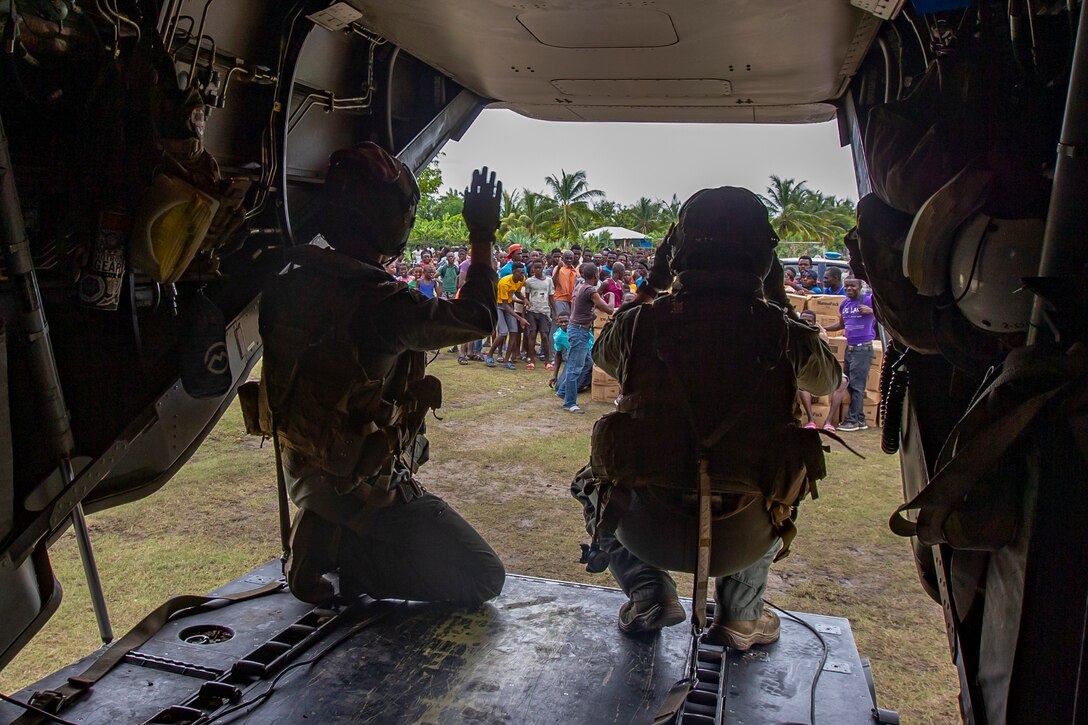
<point x="316" y="393"/>
<point x="730" y="414"/>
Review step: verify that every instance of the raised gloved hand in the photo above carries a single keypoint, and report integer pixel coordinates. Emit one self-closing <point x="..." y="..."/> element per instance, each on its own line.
<point x="661" y="274"/>
<point x="482" y="200"/>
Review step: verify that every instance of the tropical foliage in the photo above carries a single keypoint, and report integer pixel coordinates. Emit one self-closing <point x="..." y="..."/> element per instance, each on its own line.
<point x="800" y="214"/>
<point x="804" y="218"/>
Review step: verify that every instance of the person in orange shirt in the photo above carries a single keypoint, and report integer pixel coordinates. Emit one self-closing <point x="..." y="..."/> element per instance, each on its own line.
<point x="565" y="277"/>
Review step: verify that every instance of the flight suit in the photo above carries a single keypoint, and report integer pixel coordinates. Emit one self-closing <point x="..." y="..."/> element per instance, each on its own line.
<point x="713" y="354"/>
<point x="367" y="515"/>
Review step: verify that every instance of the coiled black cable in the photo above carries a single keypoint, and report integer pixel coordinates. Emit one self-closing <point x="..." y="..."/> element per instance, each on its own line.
<point x="894" y="379"/>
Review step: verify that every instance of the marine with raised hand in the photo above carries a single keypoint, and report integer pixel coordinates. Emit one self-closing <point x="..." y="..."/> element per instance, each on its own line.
<point x="345" y="384"/>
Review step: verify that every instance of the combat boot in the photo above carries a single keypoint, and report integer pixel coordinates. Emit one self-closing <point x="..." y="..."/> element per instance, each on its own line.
<point x="314" y="544"/>
<point x="740" y="634"/>
<point x="650" y="615"/>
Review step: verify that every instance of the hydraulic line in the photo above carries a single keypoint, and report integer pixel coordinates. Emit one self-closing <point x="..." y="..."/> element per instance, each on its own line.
<point x="1067" y="217"/>
<point x="43" y="365"/>
<point x="389" y="99"/>
<point x="199" y="40"/>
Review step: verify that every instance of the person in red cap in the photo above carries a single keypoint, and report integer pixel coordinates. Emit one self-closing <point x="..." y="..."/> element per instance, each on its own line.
<point x="346" y="385"/>
<point x="513" y="254"/>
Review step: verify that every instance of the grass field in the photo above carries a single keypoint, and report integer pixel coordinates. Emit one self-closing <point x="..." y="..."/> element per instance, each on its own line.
<point x="503" y="454"/>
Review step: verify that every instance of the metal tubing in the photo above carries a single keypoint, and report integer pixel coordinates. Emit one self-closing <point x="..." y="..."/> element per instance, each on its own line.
<point x="199" y="40"/>
<point x="90" y="569"/>
<point x="1067" y="218"/>
<point x="389" y="100"/>
<point x="44" y="365"/>
<point x="32" y="317"/>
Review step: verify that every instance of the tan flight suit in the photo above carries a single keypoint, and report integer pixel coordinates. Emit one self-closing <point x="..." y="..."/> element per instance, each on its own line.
<point x="716" y="353"/>
<point x="344" y="333"/>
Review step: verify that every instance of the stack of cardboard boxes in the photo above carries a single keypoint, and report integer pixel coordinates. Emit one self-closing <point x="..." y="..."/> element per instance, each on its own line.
<point x="826" y="308"/>
<point x="605" y="387"/>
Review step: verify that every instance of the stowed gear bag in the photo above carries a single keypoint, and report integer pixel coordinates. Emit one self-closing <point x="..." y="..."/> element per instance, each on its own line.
<point x="314" y="388"/>
<point x="973" y="500"/>
<point x="631" y="453"/>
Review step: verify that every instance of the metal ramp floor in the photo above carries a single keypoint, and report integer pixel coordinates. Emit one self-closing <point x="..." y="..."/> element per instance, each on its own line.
<point x="543" y="652"/>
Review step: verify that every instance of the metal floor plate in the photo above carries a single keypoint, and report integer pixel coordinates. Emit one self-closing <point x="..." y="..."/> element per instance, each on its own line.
<point x="543" y="652"/>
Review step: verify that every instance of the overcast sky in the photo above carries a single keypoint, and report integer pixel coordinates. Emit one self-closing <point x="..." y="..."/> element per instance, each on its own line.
<point x="629" y="160"/>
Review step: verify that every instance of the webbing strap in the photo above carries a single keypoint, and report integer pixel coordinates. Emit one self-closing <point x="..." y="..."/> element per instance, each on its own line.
<point x="675" y="700"/>
<point x="54" y="700"/>
<point x="281" y="493"/>
<point x="702" y="560"/>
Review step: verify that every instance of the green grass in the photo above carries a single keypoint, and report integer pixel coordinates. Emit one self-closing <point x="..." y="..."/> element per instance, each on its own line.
<point x="504" y="454"/>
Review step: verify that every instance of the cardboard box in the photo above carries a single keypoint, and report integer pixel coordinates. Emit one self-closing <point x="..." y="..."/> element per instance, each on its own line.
<point x="825" y="304"/>
<point x="869" y="407"/>
<point x="827" y="320"/>
<point x="838" y="347"/>
<point x="603" y="378"/>
<point x="799" y="302"/>
<point x="604" y="392"/>
<point x="600" y="320"/>
<point x="872" y="385"/>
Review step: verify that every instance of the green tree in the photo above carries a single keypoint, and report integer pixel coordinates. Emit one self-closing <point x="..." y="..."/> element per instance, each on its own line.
<point x="521" y="236"/>
<point x="449" y="204"/>
<point x="572" y="196"/>
<point x="607" y="211"/>
<point x="806" y="215"/>
<point x="539" y="211"/>
<point x="794" y="217"/>
<point x="672" y="210"/>
<point x="430" y="181"/>
<point x="645" y="215"/>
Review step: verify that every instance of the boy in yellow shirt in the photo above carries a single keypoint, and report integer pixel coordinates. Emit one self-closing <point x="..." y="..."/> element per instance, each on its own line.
<point x="510" y="322"/>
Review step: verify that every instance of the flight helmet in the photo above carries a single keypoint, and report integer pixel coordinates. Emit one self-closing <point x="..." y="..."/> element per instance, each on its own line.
<point x="724" y="228"/>
<point x="370" y="201"/>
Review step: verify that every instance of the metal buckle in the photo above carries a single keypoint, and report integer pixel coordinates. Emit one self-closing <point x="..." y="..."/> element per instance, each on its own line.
<point x="48" y="700"/>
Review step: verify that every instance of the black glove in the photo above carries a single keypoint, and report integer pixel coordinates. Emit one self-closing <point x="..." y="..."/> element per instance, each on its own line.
<point x="482" y="200"/>
<point x="661" y="275"/>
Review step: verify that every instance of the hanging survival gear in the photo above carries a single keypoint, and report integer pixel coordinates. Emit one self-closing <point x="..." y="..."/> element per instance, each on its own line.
<point x="315" y="397"/>
<point x="973" y="500"/>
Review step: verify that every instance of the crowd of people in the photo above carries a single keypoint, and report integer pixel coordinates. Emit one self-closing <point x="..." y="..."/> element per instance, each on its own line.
<point x="546" y="313"/>
<point x="546" y="305"/>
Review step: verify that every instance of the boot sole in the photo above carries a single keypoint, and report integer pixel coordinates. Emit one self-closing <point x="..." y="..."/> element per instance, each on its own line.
<point x="740" y="642"/>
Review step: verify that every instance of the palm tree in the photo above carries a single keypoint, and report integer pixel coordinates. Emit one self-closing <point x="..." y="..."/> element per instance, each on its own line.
<point x="511" y="203"/>
<point x="672" y="210"/>
<point x="539" y="212"/>
<point x="571" y="195"/>
<point x="795" y="217"/>
<point x="644" y="215"/>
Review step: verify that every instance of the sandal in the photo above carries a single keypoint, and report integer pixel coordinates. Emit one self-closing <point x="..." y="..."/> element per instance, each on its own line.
<point x="531" y="366"/>
<point x="491" y="362"/>
<point x="461" y="360"/>
<point x="509" y="366"/>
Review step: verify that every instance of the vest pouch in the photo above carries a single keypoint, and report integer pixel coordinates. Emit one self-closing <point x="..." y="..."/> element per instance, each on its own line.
<point x="327" y="415"/>
<point x="249" y="399"/>
<point x="641" y="451"/>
